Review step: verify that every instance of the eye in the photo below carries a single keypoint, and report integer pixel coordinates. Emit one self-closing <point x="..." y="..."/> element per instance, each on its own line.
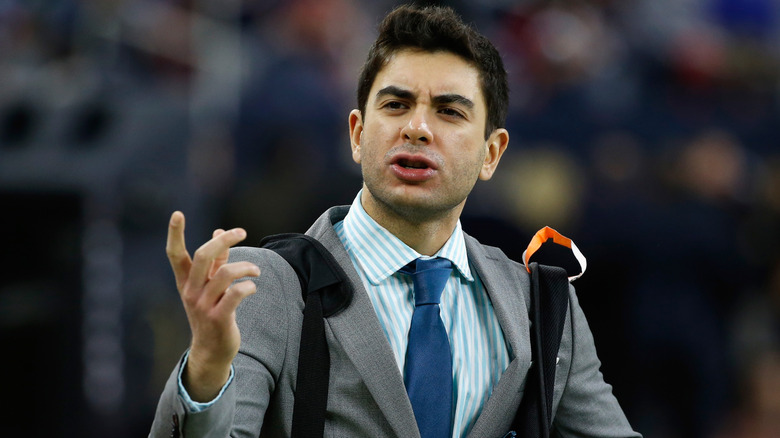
<point x="394" y="105"/>
<point x="451" y="112"/>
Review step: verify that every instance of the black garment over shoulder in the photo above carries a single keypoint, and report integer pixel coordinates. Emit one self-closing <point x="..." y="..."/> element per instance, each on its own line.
<point x="326" y="292"/>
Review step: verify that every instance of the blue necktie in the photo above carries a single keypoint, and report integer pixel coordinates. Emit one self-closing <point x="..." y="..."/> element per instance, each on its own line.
<point x="428" y="370"/>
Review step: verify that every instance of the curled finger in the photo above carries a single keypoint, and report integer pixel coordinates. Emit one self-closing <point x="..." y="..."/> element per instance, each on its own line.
<point x="235" y="294"/>
<point x="205" y="257"/>
<point x="221" y="258"/>
<point x="225" y="276"/>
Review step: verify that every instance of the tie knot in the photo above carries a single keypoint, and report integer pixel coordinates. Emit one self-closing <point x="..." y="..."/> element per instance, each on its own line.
<point x="429" y="276"/>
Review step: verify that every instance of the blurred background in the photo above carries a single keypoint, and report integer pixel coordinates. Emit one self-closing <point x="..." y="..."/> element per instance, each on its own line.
<point x="646" y="130"/>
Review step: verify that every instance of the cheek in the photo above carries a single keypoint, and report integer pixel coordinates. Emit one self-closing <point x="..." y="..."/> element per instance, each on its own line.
<point x="368" y="151"/>
<point x="467" y="148"/>
<point x="377" y="140"/>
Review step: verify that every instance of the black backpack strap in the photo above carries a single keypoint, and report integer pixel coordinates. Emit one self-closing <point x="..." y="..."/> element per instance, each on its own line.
<point x="549" y="304"/>
<point x="326" y="292"/>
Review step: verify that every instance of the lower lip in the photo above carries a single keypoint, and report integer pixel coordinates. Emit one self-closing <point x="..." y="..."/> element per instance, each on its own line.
<point x="412" y="175"/>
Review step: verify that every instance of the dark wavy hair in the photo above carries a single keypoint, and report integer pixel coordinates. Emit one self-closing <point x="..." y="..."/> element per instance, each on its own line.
<point x="434" y="29"/>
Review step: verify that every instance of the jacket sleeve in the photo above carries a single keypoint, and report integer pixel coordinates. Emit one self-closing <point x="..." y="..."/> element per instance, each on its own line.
<point x="245" y="407"/>
<point x="584" y="405"/>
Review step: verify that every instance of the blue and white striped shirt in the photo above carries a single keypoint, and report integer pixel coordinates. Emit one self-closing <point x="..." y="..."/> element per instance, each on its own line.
<point x="479" y="352"/>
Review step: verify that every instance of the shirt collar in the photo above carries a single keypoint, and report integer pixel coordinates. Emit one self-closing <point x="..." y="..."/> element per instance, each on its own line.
<point x="381" y="254"/>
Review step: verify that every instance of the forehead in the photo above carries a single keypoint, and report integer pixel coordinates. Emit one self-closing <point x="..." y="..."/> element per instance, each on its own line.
<point x="430" y="74"/>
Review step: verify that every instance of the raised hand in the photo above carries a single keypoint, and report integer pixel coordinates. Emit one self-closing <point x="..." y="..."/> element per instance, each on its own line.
<point x="205" y="284"/>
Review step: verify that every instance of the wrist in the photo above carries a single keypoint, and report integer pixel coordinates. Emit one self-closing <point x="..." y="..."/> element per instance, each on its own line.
<point x="204" y="380"/>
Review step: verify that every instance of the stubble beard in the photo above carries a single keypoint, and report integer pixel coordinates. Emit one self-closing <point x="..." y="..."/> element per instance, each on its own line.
<point x="437" y="206"/>
<point x="418" y="211"/>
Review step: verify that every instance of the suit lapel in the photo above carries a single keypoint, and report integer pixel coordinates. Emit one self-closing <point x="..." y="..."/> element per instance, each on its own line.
<point x="359" y="333"/>
<point x="506" y="294"/>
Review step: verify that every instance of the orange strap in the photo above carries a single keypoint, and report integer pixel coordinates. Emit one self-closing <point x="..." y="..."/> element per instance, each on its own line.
<point x="546" y="234"/>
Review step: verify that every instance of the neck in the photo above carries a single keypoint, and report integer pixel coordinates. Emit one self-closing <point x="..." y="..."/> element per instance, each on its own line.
<point x="425" y="235"/>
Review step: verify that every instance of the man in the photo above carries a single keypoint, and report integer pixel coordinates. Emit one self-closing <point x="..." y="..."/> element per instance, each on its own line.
<point x="432" y="100"/>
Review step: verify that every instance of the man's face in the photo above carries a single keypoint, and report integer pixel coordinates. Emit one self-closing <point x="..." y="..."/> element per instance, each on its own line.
<point x="421" y="141"/>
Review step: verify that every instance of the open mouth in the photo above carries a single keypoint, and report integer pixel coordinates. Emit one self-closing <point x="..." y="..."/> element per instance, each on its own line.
<point x="412" y="164"/>
<point x="414" y="161"/>
<point x="415" y="168"/>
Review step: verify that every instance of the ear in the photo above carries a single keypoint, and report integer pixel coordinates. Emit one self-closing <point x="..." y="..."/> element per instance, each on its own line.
<point x="355" y="133"/>
<point x="496" y="145"/>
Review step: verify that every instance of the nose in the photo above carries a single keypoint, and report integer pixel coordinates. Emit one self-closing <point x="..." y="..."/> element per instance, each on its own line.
<point x="417" y="130"/>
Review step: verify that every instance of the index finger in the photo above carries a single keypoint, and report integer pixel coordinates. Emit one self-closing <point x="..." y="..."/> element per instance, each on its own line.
<point x="176" y="249"/>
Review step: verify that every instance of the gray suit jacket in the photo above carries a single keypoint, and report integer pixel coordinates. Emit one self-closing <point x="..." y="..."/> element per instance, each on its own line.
<point x="367" y="397"/>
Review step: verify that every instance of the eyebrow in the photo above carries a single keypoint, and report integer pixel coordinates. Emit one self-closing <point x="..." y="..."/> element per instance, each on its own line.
<point x="392" y="90"/>
<point x="453" y="98"/>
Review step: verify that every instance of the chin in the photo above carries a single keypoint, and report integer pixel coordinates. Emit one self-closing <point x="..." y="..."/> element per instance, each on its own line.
<point x="414" y="203"/>
<point x="420" y="209"/>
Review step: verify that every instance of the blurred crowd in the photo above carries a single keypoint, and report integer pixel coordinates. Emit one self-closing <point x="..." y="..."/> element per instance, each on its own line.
<point x="643" y="129"/>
